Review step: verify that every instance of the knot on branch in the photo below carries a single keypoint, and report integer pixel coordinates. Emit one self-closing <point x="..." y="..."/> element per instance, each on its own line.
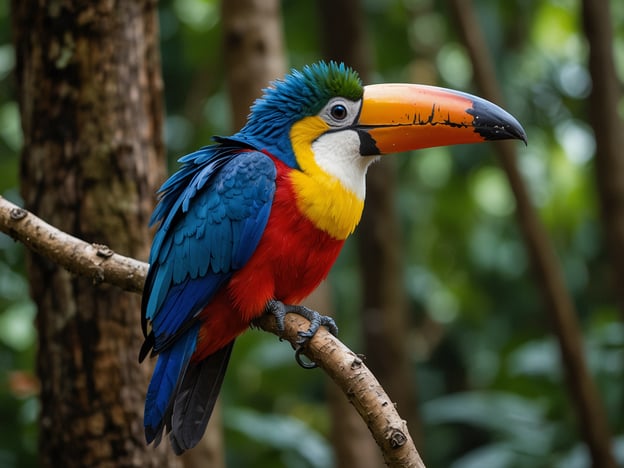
<point x="17" y="213"/>
<point x="103" y="251"/>
<point x="396" y="437"/>
<point x="357" y="361"/>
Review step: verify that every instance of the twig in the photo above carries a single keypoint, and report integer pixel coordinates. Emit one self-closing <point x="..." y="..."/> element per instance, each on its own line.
<point x="347" y="369"/>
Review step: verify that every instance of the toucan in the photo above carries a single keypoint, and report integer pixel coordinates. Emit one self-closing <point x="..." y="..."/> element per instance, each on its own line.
<point x="253" y="223"/>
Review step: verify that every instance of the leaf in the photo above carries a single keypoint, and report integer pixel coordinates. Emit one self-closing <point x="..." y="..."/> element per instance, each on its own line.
<point x="283" y="433"/>
<point x="519" y="421"/>
<point x="16" y="326"/>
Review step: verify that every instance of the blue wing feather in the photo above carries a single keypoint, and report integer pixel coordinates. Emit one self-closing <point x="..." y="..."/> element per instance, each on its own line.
<point x="212" y="213"/>
<point x="170" y="367"/>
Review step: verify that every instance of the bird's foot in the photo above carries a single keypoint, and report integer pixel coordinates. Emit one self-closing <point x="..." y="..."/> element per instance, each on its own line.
<point x="279" y="310"/>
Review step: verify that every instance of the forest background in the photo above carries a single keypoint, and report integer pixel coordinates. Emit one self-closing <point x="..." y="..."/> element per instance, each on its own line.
<point x="477" y="355"/>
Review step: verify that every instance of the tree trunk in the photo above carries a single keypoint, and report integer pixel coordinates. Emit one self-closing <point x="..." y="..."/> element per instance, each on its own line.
<point x="384" y="305"/>
<point x="89" y="88"/>
<point x="584" y="393"/>
<point x="254" y="55"/>
<point x="253" y="49"/>
<point x="609" y="132"/>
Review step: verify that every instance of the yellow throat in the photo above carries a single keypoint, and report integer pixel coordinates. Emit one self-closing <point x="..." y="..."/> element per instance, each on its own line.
<point x="320" y="196"/>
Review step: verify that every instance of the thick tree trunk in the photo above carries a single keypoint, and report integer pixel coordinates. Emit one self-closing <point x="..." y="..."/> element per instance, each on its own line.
<point x="90" y="97"/>
<point x="384" y="304"/>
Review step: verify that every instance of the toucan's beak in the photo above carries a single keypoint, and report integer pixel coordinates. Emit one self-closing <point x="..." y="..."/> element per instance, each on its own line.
<point x="402" y="117"/>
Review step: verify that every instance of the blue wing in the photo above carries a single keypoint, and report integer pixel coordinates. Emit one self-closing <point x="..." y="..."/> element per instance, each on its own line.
<point x="212" y="214"/>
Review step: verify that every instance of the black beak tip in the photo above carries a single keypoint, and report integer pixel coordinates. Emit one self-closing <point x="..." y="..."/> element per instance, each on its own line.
<point x="494" y="123"/>
<point x="503" y="131"/>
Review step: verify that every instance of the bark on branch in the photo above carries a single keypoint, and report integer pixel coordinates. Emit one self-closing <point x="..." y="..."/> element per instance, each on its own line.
<point x="94" y="261"/>
<point x="102" y="265"/>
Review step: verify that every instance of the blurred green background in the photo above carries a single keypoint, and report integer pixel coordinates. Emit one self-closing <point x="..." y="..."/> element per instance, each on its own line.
<point x="477" y="321"/>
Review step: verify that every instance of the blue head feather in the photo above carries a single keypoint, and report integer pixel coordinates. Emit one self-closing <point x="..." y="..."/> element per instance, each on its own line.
<point x="300" y="94"/>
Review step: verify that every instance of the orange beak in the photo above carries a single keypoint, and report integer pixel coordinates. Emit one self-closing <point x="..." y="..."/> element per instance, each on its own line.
<point x="402" y="117"/>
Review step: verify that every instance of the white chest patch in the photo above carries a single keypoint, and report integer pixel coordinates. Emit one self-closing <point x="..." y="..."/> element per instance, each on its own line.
<point x="338" y="154"/>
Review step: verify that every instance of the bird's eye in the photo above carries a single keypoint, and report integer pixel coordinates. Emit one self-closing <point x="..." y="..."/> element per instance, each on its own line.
<point x="338" y="112"/>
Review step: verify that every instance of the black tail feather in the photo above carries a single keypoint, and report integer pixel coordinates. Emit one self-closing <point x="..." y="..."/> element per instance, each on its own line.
<point x="195" y="399"/>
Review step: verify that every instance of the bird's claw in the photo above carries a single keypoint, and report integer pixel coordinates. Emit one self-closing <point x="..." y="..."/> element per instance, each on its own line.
<point x="316" y="321"/>
<point x="279" y="310"/>
<point x="301" y="362"/>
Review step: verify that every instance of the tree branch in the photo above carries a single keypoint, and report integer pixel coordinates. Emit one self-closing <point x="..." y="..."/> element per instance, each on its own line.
<point x="347" y="369"/>
<point x="95" y="261"/>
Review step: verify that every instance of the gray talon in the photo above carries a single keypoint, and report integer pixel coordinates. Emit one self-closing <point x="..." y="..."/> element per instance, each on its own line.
<point x="279" y="311"/>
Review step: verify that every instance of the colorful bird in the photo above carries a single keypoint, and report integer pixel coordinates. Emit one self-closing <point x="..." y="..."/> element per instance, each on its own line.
<point x="253" y="223"/>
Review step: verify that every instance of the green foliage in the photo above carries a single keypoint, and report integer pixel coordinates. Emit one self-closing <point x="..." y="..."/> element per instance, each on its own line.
<point x="18" y="402"/>
<point x="487" y="368"/>
<point x="276" y="437"/>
